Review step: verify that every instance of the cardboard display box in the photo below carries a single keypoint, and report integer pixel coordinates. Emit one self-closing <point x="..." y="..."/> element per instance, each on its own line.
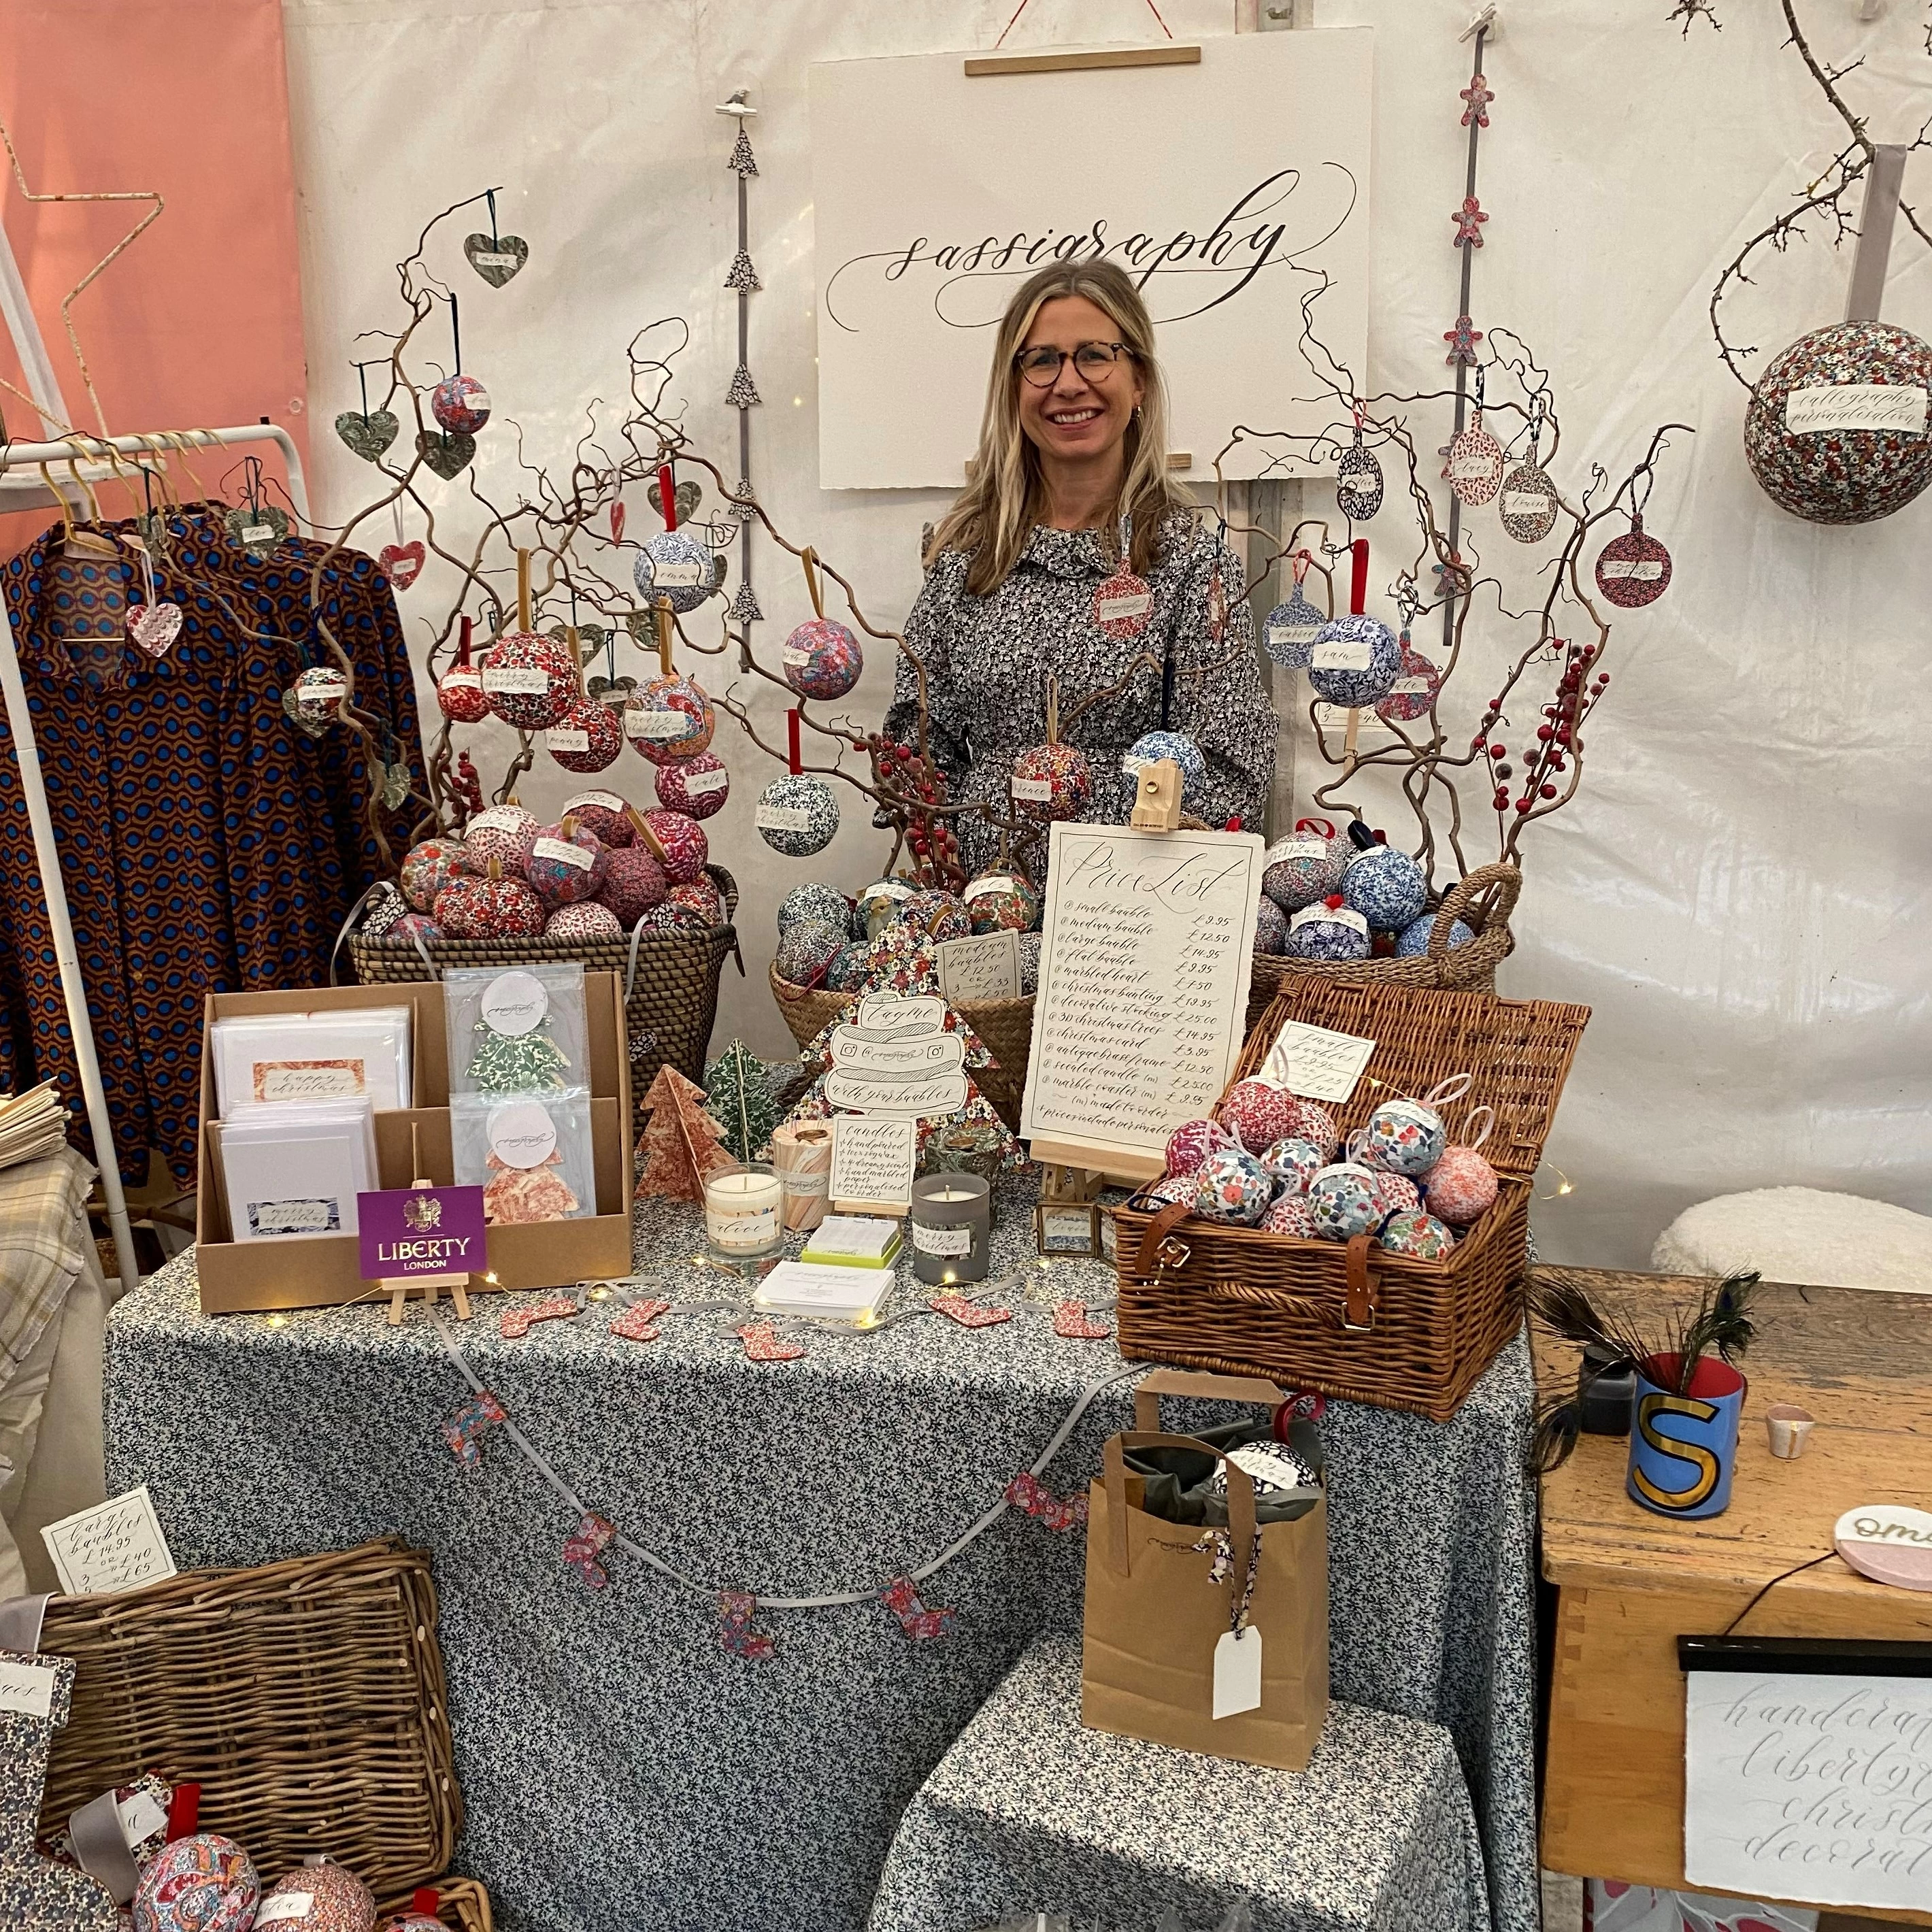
<point x="324" y="1271"/>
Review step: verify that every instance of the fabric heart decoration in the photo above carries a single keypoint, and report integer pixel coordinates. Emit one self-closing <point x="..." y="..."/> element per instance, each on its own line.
<point x="396" y="783"/>
<point x="496" y="258"/>
<point x="155" y="626"/>
<point x="447" y="452"/>
<point x="368" y="433"/>
<point x="257" y="528"/>
<point x="615" y="691"/>
<point x="689" y="494"/>
<point x="402" y="563"/>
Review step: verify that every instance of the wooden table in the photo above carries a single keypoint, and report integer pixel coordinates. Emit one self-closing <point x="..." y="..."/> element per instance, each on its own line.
<point x="1630" y="1581"/>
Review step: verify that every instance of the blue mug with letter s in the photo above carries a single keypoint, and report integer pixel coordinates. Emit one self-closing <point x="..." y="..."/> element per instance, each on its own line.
<point x="1683" y="1448"/>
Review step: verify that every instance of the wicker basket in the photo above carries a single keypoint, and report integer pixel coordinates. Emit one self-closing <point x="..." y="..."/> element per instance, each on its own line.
<point x="1483" y="901"/>
<point x="1350" y="1320"/>
<point x="670" y="981"/>
<point x="1005" y="1026"/>
<point x="306" y="1698"/>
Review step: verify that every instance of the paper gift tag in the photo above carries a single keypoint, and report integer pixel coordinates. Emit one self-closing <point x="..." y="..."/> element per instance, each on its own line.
<point x="1238" y="1672"/>
<point x="1316" y="1062"/>
<point x="118" y="1545"/>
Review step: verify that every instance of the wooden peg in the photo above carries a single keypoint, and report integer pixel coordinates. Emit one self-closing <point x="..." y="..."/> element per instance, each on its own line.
<point x="1157" y="803"/>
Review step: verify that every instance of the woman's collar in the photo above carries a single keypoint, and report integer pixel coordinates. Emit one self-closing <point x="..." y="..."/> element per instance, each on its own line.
<point x="1069" y="553"/>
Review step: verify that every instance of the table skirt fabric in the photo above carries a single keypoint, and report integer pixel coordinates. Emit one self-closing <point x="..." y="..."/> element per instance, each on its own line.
<point x="1028" y="1812"/>
<point x="620" y="1767"/>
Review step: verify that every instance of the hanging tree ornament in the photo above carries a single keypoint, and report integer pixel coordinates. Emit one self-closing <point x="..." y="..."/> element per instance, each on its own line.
<point x="153" y="624"/>
<point x="1462" y="340"/>
<point x="1413" y="694"/>
<point x="671" y="719"/>
<point x="529" y="681"/>
<point x="1634" y="569"/>
<point x="256" y="524"/>
<point x="1123" y="604"/>
<point x="447" y="454"/>
<point x="1355" y="660"/>
<point x="459" y="691"/>
<point x="1475" y="458"/>
<point x="796" y="813"/>
<point x="496" y="257"/>
<point x="673" y="563"/>
<point x="459" y="402"/>
<point x="316" y="700"/>
<point x="686" y="497"/>
<point x="821" y="658"/>
<point x="1528" y="505"/>
<point x="697" y="787"/>
<point x="368" y="432"/>
<point x="587" y="737"/>
<point x="1289" y="633"/>
<point x="1358" y="479"/>
<point x="1052" y="780"/>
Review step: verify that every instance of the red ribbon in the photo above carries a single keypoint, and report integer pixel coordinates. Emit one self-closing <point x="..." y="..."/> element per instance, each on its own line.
<point x="463" y="647"/>
<point x="792" y="728"/>
<point x="667" y="495"/>
<point x="184" y="1811"/>
<point x="1358" y="577"/>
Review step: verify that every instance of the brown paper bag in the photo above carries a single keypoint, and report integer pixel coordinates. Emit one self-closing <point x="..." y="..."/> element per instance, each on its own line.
<point x="1153" y="1615"/>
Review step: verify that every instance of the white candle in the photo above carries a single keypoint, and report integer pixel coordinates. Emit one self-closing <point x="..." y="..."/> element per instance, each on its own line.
<point x="742" y="1210"/>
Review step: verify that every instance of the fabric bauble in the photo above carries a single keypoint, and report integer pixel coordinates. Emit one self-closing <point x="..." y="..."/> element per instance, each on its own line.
<point x="418" y="927"/>
<point x="605" y="814"/>
<point x="1030" y="946"/>
<point x="1193" y="1141"/>
<point x="937" y="916"/>
<point x="459" y="691"/>
<point x="1001" y="902"/>
<point x="412" y="1922"/>
<point x="796" y="815"/>
<point x="1328" y="931"/>
<point x="1175" y="1187"/>
<point x="586" y="738"/>
<point x="814" y="901"/>
<point x="590" y="919"/>
<point x="336" y="1901"/>
<point x="1343" y="1202"/>
<point x="821" y="659"/>
<point x="1355" y="661"/>
<point x="634" y="882"/>
<point x="429" y="867"/>
<point x="567" y="863"/>
<point x="697" y="787"/>
<point x="1255" y="1113"/>
<point x="203" y="1882"/>
<point x="1295" y="1162"/>
<point x="1308" y="1121"/>
<point x="1421" y="1237"/>
<point x="390" y="906"/>
<point x="1412" y="942"/>
<point x="1386" y="887"/>
<point x="1475" y="463"/>
<point x="679" y="843"/>
<point x="1413" y="691"/>
<point x="806" y="951"/>
<point x="1231" y="1186"/>
<point x="670" y="719"/>
<point x="878" y="906"/>
<point x="1185" y="753"/>
<point x="901" y="961"/>
<point x="319" y="693"/>
<point x="1461" y="1187"/>
<point x="529" y="681"/>
<point x="701" y="897"/>
<point x="675" y="566"/>
<point x="1051" y="781"/>
<point x="1836" y="432"/>
<point x="1290" y="629"/>
<point x="1306" y="866"/>
<point x="1289" y="1214"/>
<point x="1397" y="1193"/>
<point x="846" y="973"/>
<point x="1405" y="1137"/>
<point x="1270" y="926"/>
<point x="679" y="921"/>
<point x="1358" y="482"/>
<point x="504" y="833"/>
<point x="461" y="404"/>
<point x="1633" y="569"/>
<point x="484" y="908"/>
<point x="1527" y="502"/>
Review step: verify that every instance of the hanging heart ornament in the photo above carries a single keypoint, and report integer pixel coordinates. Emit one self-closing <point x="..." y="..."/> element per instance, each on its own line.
<point x="1358" y="482"/>
<point x="448" y="455"/>
<point x="496" y="258"/>
<point x="402" y="564"/>
<point x="1529" y="504"/>
<point x="154" y="627"/>
<point x="689" y="494"/>
<point x="258" y="528"/>
<point x="1475" y="462"/>
<point x="368" y="434"/>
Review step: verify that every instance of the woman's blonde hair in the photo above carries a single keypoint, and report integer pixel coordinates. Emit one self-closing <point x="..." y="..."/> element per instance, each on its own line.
<point x="993" y="516"/>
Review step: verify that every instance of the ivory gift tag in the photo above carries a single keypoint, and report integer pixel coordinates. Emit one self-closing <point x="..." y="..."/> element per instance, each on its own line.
<point x="986" y="967"/>
<point x="1238" y="1672"/>
<point x="27" y="1689"/>
<point x="1316" y="1062"/>
<point x="117" y="1545"/>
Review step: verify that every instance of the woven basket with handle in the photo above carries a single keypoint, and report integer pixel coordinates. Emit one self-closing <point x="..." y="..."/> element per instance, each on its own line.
<point x="1350" y="1320"/>
<point x="671" y="980"/>
<point x="1483" y="901"/>
<point x="1005" y="1026"/>
<point x="306" y="1698"/>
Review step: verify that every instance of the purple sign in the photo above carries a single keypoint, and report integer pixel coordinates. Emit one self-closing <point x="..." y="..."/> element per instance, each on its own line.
<point x="418" y="1231"/>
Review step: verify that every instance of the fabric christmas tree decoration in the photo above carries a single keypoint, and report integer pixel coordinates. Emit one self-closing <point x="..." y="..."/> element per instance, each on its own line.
<point x="36" y="1894"/>
<point x="738" y="1097"/>
<point x="680" y="1140"/>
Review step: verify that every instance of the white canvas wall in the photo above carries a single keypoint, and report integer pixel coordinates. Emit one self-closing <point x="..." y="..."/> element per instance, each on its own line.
<point x="1739" y="892"/>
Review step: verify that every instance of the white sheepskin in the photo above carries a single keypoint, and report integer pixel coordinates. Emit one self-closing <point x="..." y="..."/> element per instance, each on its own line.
<point x="1801" y="1234"/>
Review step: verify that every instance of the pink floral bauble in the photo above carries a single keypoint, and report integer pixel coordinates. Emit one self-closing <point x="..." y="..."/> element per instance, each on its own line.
<point x="606" y="814"/>
<point x="670" y="719"/>
<point x="679" y="843"/>
<point x="697" y="787"/>
<point x="587" y="920"/>
<point x="1289" y="1215"/>
<point x="459" y="695"/>
<point x="1308" y="1122"/>
<point x="1461" y="1187"/>
<point x="701" y="897"/>
<point x="338" y="1901"/>
<point x="461" y="404"/>
<point x="1175" y="1187"/>
<point x="1051" y="781"/>
<point x="429" y="867"/>
<point x="1192" y="1142"/>
<point x="937" y="916"/>
<point x="504" y="833"/>
<point x="634" y="882"/>
<point x="1397" y="1193"/>
<point x="529" y="681"/>
<point x="415" y="925"/>
<point x="821" y="659"/>
<point x="568" y="862"/>
<point x="586" y="738"/>
<point x="480" y="908"/>
<point x="1256" y="1113"/>
<point x="203" y="1882"/>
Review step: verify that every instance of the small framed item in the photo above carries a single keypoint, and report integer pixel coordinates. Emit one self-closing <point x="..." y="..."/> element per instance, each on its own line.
<point x="1067" y="1230"/>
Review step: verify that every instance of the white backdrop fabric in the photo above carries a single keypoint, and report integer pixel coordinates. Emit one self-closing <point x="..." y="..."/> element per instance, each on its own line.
<point x="1739" y="891"/>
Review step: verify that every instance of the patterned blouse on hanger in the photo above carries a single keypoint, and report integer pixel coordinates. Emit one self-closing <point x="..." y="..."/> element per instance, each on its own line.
<point x="988" y="660"/>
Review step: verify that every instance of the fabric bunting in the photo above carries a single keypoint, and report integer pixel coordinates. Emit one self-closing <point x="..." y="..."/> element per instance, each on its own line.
<point x="919" y="1623"/>
<point x="461" y="1431"/>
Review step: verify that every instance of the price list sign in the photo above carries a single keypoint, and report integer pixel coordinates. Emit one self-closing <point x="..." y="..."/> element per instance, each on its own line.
<point x="1143" y="988"/>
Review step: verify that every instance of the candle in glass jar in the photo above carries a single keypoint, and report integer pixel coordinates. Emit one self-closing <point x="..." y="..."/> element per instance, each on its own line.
<point x="743" y="1210"/>
<point x="952" y="1229"/>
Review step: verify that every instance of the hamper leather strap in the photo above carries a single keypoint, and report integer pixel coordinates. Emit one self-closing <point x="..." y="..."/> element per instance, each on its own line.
<point x="1153" y="1239"/>
<point x="1359" y="1311"/>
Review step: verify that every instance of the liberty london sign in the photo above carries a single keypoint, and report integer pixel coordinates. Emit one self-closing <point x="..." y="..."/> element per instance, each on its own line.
<point x="409" y="1232"/>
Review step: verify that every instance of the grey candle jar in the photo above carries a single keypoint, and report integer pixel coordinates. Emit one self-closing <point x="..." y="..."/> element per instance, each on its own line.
<point x="952" y="1220"/>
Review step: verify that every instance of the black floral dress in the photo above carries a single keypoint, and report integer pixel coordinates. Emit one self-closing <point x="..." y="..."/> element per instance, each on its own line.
<point x="988" y="660"/>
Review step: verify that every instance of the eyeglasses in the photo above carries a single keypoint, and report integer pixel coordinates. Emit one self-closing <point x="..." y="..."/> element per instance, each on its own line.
<point x="1093" y="360"/>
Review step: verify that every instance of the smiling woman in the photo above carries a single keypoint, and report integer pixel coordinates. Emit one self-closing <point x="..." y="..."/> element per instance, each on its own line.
<point x="1069" y="490"/>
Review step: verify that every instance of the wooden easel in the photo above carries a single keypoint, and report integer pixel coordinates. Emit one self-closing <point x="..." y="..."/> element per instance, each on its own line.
<point x="399" y="1286"/>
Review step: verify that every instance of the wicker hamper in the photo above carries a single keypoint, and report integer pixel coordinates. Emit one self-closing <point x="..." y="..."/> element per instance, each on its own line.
<point x="670" y="981"/>
<point x="1005" y="1026"/>
<point x="1353" y="1322"/>
<point x="306" y="1698"/>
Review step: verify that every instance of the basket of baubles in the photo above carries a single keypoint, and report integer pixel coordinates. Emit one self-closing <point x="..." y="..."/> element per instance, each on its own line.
<point x="624" y="891"/>
<point x="1374" y="1248"/>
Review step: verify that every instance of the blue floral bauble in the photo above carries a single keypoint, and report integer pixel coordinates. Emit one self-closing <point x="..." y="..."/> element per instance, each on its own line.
<point x="1185" y="753"/>
<point x="1288" y="634"/>
<point x="676" y="565"/>
<point x="1343" y="1202"/>
<point x="1413" y="941"/>
<point x="796" y="815"/>
<point x="847" y="972"/>
<point x="1421" y="1236"/>
<point x="1354" y="661"/>
<point x="1231" y="1185"/>
<point x="1386" y="887"/>
<point x="813" y="901"/>
<point x="1295" y="1163"/>
<point x="1322" y="932"/>
<point x="1406" y="1137"/>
